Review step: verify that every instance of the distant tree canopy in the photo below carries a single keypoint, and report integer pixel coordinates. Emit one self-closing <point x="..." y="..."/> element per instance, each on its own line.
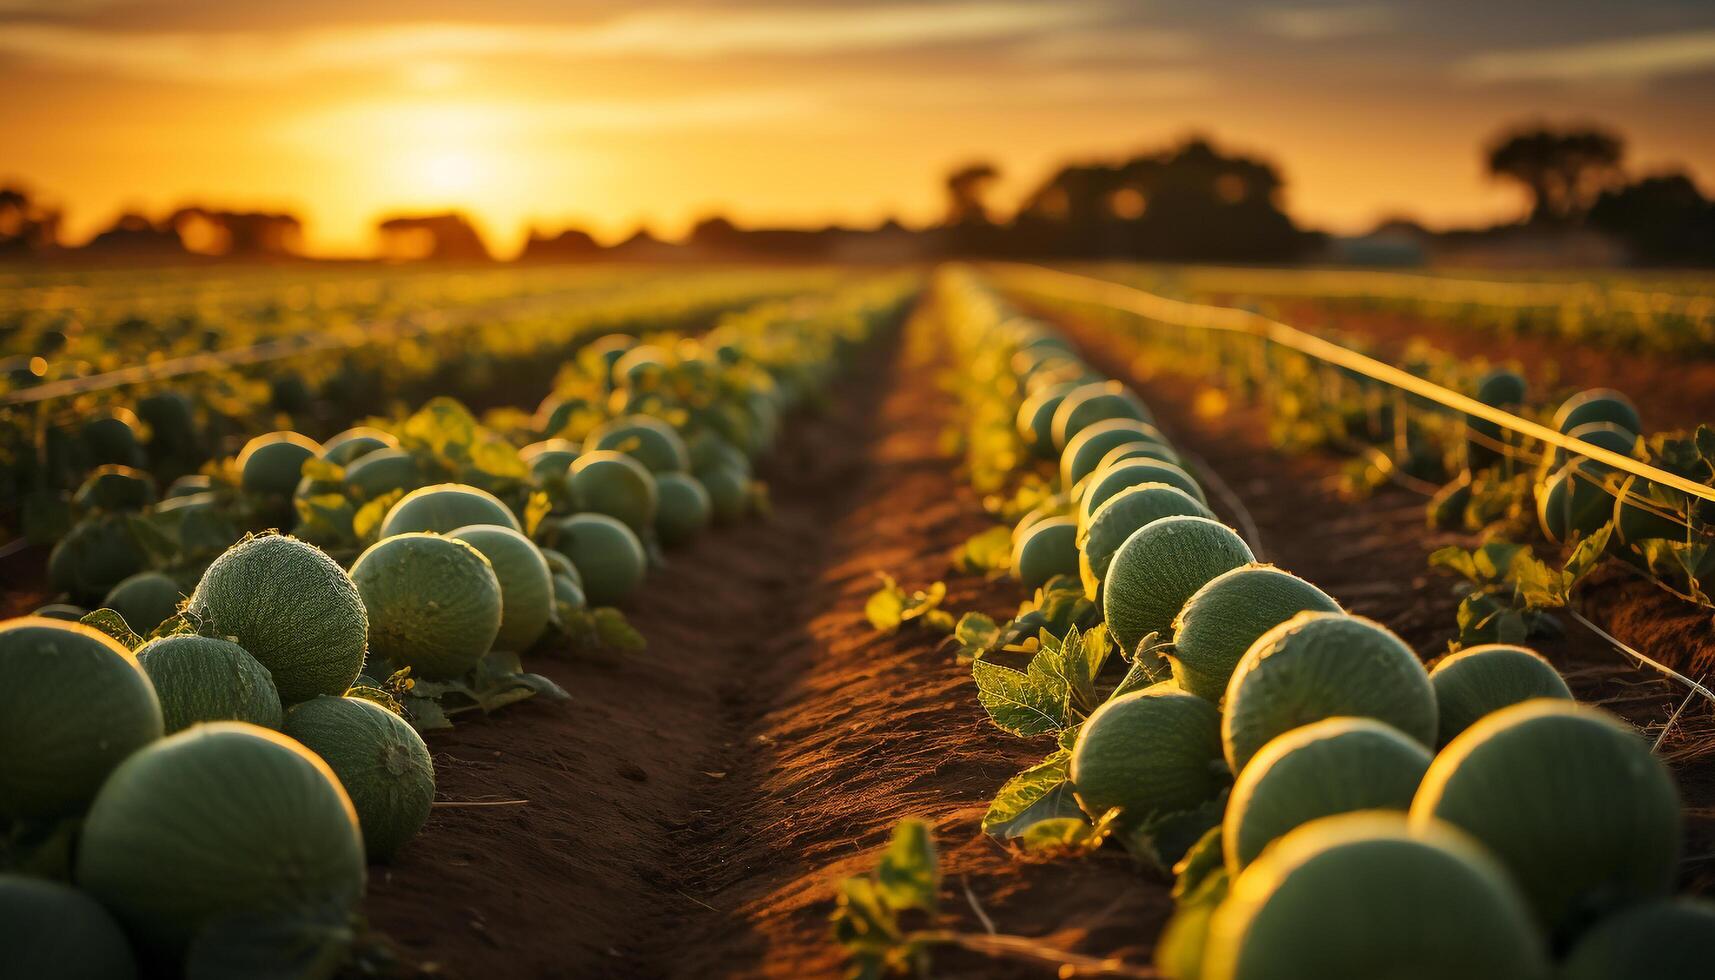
<point x="26" y="225"/>
<point x="967" y="193"/>
<point x="1564" y="170"/>
<point x="448" y="237"/>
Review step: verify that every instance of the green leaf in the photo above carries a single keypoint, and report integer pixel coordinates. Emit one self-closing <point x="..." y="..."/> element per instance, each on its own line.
<point x="975" y="632"/>
<point x="1068" y="836"/>
<point x="1021" y="702"/>
<point x="909" y="875"/>
<point x="1164" y="839"/>
<point x="885" y="608"/>
<point x="535" y="510"/>
<point x="306" y="942"/>
<point x="110" y="622"/>
<point x="322" y="471"/>
<point x="367" y="522"/>
<point x="615" y="632"/>
<point x="1586" y="556"/>
<point x="987" y="551"/>
<point x="1038" y="793"/>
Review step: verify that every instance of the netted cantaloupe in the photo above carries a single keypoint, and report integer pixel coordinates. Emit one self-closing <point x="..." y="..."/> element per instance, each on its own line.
<point x="1672" y="939"/>
<point x="1103" y="484"/>
<point x="1597" y="405"/>
<point x="1035" y="421"/>
<point x="609" y="557"/>
<point x="1336" y="765"/>
<point x="1086" y="450"/>
<point x="1320" y="665"/>
<point x="272" y="463"/>
<point x="526" y="585"/>
<point x="1150" y="753"/>
<point x="446" y="507"/>
<point x="205" y="678"/>
<point x="1569" y="799"/>
<point x="380" y="760"/>
<point x="52" y="931"/>
<point x="683" y="508"/>
<point x="292" y="608"/>
<point x="73" y="704"/>
<point x="1220" y="622"/>
<point x="145" y="600"/>
<point x="116" y="488"/>
<point x="1161" y="566"/>
<point x="1362" y="896"/>
<point x="1048" y="548"/>
<point x="1091" y="403"/>
<point x="650" y="441"/>
<point x="94" y="556"/>
<point x="434" y="603"/>
<point x="612" y="483"/>
<point x="1108" y="526"/>
<point x="1480" y="680"/>
<point x="220" y="821"/>
<point x="382" y="472"/>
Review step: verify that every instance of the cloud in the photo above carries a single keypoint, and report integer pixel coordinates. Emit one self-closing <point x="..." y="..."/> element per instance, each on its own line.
<point x="1326" y="23"/>
<point x="1111" y="45"/>
<point x="670" y="34"/>
<point x="1631" y="60"/>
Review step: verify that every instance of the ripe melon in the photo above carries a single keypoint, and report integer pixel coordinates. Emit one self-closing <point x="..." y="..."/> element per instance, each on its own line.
<point x="146" y="600"/>
<point x="1672" y="939"/>
<point x="1362" y="896"/>
<point x="1105" y="483"/>
<point x="219" y="821"/>
<point x="55" y="932"/>
<point x="1159" y="567"/>
<point x="1570" y="799"/>
<point x="1480" y="680"/>
<point x="609" y="557"/>
<point x="355" y="443"/>
<point x="1150" y="752"/>
<point x="526" y="585"/>
<point x="446" y="507"/>
<point x="272" y="463"/>
<point x="684" y="508"/>
<point x="1086" y="450"/>
<point x="202" y="678"/>
<point x="1320" y="665"/>
<point x="1096" y="402"/>
<point x="1597" y="405"/>
<point x="292" y="608"/>
<point x="95" y="555"/>
<point x="381" y="472"/>
<point x="612" y="483"/>
<point x="116" y="488"/>
<point x="1048" y="548"/>
<point x="1336" y="765"/>
<point x="1035" y="421"/>
<point x="73" y="704"/>
<point x="434" y="604"/>
<point x="379" y="759"/>
<point x="1120" y="516"/>
<point x="650" y="441"/>
<point x="1220" y="622"/>
<point x="729" y="492"/>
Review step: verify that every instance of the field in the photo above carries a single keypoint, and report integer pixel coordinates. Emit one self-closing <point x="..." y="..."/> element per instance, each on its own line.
<point x="789" y="600"/>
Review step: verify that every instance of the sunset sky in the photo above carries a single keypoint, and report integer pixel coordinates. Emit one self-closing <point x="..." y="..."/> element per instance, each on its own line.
<point x="609" y="114"/>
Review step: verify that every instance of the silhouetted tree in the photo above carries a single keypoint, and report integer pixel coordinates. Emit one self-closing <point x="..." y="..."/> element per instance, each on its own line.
<point x="440" y="237"/>
<point x="26" y="226"/>
<point x="1563" y="170"/>
<point x="1664" y="220"/>
<point x="967" y="192"/>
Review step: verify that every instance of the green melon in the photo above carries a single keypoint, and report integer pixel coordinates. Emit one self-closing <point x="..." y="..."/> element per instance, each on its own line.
<point x="1150" y="753"/>
<point x="64" y="611"/>
<point x="1575" y="500"/>
<point x="172" y="425"/>
<point x="1500" y="389"/>
<point x="1220" y="622"/>
<point x="95" y="555"/>
<point x="1480" y="680"/>
<point x="1120" y="516"/>
<point x="187" y="486"/>
<point x="640" y="366"/>
<point x="1644" y="511"/>
<point x="1052" y="508"/>
<point x="559" y="564"/>
<point x="201" y="678"/>
<point x="729" y="492"/>
<point x="355" y="443"/>
<point x="612" y="483"/>
<point x="1336" y="765"/>
<point x="1570" y="799"/>
<point x="550" y="459"/>
<point x="650" y="441"/>
<point x="1105" y="483"/>
<point x="1086" y="451"/>
<point x="609" y="557"/>
<point x="1091" y="403"/>
<point x="272" y="463"/>
<point x="113" y="438"/>
<point x="117" y="488"/>
<point x="446" y="507"/>
<point x="569" y="591"/>
<point x="1362" y="896"/>
<point x="684" y="508"/>
<point x="1161" y="566"/>
<point x="1139" y="449"/>
<point x="554" y="413"/>
<point x="526" y="585"/>
<point x="434" y="603"/>
<point x="379" y="759"/>
<point x="146" y="600"/>
<point x="381" y="472"/>
<point x="220" y="821"/>
<point x="73" y="704"/>
<point x="1035" y="420"/>
<point x="1603" y="435"/>
<point x="1320" y="665"/>
<point x="1597" y="405"/>
<point x="55" y="932"/>
<point x="292" y="608"/>
<point x="1048" y="548"/>
<point x="1673" y="939"/>
<point x="709" y="451"/>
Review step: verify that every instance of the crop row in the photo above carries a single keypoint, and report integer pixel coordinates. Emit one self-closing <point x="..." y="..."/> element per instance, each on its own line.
<point x="1327" y="806"/>
<point x="204" y="798"/>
